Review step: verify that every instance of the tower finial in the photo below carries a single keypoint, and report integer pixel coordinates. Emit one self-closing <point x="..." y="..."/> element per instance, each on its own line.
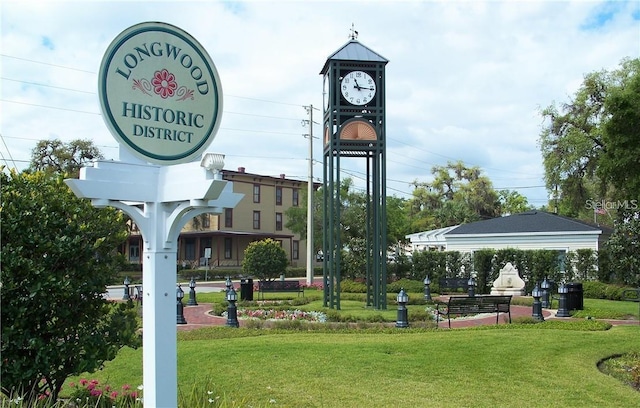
<point x="354" y="33"/>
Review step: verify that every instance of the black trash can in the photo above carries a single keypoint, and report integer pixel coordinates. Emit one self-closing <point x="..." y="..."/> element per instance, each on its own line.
<point x="246" y="289"/>
<point x="575" y="296"/>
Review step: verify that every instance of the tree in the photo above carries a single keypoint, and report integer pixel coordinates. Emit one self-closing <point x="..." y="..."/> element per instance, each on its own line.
<point x="512" y="202"/>
<point x="622" y="248"/>
<point x="67" y="158"/>
<point x="576" y="138"/>
<point x="297" y="218"/>
<point x="621" y="136"/>
<point x="353" y="210"/>
<point x="57" y="253"/>
<point x="458" y="194"/>
<point x="265" y="259"/>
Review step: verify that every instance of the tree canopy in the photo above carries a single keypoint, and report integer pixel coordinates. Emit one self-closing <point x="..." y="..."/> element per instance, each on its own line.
<point x="265" y="259"/>
<point x="57" y="258"/>
<point x="65" y="158"/>
<point x="458" y="194"/>
<point x="590" y="144"/>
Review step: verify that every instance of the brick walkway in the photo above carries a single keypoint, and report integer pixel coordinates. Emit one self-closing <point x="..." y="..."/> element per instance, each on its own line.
<point x="198" y="316"/>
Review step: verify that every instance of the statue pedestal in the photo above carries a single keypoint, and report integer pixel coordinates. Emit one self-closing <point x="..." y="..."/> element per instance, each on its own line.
<point x="507" y="291"/>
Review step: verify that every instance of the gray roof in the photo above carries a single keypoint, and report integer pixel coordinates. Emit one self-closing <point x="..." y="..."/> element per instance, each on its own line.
<point x="354" y="51"/>
<point x="530" y="221"/>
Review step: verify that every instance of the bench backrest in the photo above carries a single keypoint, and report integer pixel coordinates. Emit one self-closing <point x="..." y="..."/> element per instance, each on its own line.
<point x="451" y="283"/>
<point x="275" y="285"/>
<point x="479" y="304"/>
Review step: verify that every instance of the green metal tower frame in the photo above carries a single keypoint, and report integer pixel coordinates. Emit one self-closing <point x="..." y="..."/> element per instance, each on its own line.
<point x="354" y="132"/>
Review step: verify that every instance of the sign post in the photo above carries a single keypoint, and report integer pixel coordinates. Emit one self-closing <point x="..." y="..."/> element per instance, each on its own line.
<point x="161" y="99"/>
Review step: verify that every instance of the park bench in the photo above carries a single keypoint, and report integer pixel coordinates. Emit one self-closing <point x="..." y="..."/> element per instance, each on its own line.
<point x="470" y="305"/>
<point x="448" y="285"/>
<point x="279" y="286"/>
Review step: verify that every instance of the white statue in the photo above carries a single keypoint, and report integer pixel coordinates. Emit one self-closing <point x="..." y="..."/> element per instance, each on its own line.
<point x="508" y="282"/>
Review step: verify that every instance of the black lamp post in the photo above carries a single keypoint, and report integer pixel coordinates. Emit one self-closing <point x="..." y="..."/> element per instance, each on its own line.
<point x="127" y="282"/>
<point x="232" y="310"/>
<point x="180" y="307"/>
<point x="192" y="293"/>
<point x="545" y="293"/>
<point x="228" y="283"/>
<point x="537" y="305"/>
<point x="427" y="289"/>
<point x="562" y="301"/>
<point x="471" y="286"/>
<point x="403" y="319"/>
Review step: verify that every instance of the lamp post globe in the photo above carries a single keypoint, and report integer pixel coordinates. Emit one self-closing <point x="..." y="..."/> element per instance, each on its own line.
<point x="562" y="301"/>
<point x="471" y="287"/>
<point x="192" y="293"/>
<point x="403" y="318"/>
<point x="545" y="293"/>
<point x="126" y="295"/>
<point x="427" y="288"/>
<point x="537" y="305"/>
<point x="232" y="310"/>
<point x="179" y="306"/>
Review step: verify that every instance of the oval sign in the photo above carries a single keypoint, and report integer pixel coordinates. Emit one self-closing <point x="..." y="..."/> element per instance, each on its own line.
<point x="160" y="93"/>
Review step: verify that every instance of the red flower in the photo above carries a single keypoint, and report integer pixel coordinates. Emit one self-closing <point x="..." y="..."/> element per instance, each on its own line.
<point x="164" y="83"/>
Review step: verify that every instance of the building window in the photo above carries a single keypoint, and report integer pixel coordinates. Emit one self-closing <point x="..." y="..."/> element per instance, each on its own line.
<point x="227" y="248"/>
<point x="190" y="249"/>
<point x="296" y="197"/>
<point x="278" y="195"/>
<point x="256" y="193"/>
<point x="228" y="217"/>
<point x="295" y="249"/>
<point x="278" y="221"/>
<point x="256" y="220"/>
<point x="134" y="251"/>
<point x="206" y="221"/>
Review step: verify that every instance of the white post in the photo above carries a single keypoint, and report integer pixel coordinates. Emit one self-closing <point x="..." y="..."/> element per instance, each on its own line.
<point x="170" y="196"/>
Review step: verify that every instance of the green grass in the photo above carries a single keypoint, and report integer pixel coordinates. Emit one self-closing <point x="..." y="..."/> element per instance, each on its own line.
<point x="609" y="309"/>
<point x="596" y="308"/>
<point x="495" y="366"/>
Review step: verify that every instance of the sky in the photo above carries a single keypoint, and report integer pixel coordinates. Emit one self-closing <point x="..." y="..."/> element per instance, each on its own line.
<point x="466" y="80"/>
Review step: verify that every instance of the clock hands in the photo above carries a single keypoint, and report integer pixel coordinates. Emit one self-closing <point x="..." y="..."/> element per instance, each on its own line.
<point x="359" y="88"/>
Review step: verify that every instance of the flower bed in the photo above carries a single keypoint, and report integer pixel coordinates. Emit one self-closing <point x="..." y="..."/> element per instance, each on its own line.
<point x="272" y="314"/>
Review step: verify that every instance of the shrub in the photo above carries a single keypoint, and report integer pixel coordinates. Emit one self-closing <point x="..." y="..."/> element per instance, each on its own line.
<point x="265" y="260"/>
<point x="412" y="286"/>
<point x="599" y="290"/>
<point x="351" y="286"/>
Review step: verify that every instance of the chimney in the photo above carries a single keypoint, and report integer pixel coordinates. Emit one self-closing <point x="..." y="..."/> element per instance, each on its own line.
<point x="282" y="175"/>
<point x="241" y="169"/>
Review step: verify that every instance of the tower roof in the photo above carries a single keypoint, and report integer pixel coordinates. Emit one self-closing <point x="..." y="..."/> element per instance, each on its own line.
<point x="354" y="51"/>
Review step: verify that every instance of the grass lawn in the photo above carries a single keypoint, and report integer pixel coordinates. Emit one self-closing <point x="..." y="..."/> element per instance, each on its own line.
<point x="497" y="366"/>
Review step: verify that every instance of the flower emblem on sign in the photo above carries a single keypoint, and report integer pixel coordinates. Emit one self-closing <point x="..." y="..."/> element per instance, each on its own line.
<point x="164" y="84"/>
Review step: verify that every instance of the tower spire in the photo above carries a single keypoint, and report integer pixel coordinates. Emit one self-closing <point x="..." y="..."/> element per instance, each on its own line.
<point x="354" y="33"/>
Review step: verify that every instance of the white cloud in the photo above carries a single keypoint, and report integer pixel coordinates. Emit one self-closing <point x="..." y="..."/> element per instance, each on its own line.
<point x="464" y="81"/>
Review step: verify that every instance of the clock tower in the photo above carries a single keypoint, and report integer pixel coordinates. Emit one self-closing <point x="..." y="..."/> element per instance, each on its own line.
<point x="354" y="131"/>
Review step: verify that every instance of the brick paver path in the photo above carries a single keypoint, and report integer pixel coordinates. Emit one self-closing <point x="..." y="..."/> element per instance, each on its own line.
<point x="198" y="316"/>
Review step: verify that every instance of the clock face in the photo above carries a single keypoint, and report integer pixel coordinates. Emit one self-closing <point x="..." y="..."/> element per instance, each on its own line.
<point x="358" y="88"/>
<point x="325" y="92"/>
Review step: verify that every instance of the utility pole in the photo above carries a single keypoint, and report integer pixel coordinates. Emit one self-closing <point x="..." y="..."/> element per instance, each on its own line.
<point x="310" y="252"/>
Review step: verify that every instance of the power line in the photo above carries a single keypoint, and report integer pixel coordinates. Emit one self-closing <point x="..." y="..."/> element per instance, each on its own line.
<point x="402" y="163"/>
<point x="47" y="63"/>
